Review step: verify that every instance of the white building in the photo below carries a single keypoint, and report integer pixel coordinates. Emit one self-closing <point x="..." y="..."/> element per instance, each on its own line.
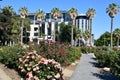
<point x="83" y="23"/>
<point x="44" y="29"/>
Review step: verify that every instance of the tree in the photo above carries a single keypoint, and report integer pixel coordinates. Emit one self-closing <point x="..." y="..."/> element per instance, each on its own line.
<point x="79" y="35"/>
<point x="116" y="33"/>
<point x="90" y="14"/>
<point x="6" y="15"/>
<point x="73" y="14"/>
<point x="40" y="16"/>
<point x="103" y="40"/>
<point x="55" y="12"/>
<point x="23" y="13"/>
<point x="8" y="11"/>
<point x="65" y="32"/>
<point x="87" y="36"/>
<point x="112" y="10"/>
<point x="16" y="28"/>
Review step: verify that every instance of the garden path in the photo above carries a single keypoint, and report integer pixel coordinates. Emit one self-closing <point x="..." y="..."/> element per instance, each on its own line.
<point x="87" y="69"/>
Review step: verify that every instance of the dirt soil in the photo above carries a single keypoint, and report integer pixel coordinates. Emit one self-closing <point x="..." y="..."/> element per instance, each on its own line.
<point x="10" y="72"/>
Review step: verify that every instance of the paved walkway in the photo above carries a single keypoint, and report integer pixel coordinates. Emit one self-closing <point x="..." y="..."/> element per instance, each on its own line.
<point x="87" y="70"/>
<point x="3" y="75"/>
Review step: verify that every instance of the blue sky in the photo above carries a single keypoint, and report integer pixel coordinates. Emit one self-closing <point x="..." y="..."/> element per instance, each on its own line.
<point x="101" y="21"/>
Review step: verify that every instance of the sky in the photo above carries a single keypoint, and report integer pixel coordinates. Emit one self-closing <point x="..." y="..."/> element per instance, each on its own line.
<point x="101" y="21"/>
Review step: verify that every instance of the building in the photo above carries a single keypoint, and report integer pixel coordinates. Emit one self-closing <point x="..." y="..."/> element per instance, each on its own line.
<point x="83" y="23"/>
<point x="45" y="28"/>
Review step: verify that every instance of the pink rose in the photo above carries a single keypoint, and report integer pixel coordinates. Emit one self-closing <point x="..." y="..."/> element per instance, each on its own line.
<point x="57" y="76"/>
<point x="20" y="60"/>
<point x="34" y="69"/>
<point x="36" y="78"/>
<point x="33" y="57"/>
<point x="30" y="74"/>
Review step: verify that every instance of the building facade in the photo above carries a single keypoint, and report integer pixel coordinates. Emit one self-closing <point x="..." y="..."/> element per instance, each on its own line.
<point x="45" y="28"/>
<point x="82" y="22"/>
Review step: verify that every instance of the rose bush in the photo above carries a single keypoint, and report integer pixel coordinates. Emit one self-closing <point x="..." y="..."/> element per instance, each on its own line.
<point x="62" y="53"/>
<point x="34" y="67"/>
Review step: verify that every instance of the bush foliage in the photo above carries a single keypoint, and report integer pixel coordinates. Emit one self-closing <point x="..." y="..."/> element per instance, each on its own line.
<point x="27" y="59"/>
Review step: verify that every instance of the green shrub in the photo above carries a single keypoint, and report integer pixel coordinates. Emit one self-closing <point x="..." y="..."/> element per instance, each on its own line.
<point x="9" y="55"/>
<point x="105" y="56"/>
<point x="110" y="58"/>
<point x="87" y="49"/>
<point x="115" y="67"/>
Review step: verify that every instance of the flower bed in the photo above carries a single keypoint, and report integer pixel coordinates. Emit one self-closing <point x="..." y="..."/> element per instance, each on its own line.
<point x="43" y="61"/>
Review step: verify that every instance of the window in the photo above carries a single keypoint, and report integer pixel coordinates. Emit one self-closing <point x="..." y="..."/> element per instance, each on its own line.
<point x="49" y="29"/>
<point x="35" y="40"/>
<point x="35" y="29"/>
<point x="28" y="34"/>
<point x="35" y="34"/>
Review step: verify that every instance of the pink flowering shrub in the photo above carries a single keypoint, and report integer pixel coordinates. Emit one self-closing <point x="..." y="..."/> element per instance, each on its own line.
<point x="34" y="67"/>
<point x="51" y="50"/>
<point x="62" y="53"/>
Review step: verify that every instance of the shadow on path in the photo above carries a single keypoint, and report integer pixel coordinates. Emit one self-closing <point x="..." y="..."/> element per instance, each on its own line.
<point x="107" y="76"/>
<point x="102" y="76"/>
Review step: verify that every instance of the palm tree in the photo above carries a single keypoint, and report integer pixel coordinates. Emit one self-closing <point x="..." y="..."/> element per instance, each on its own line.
<point x="55" y="12"/>
<point x="79" y="35"/>
<point x="87" y="35"/>
<point x="90" y="14"/>
<point x="8" y="10"/>
<point x="16" y="29"/>
<point x="23" y="13"/>
<point x="6" y="15"/>
<point x="40" y="16"/>
<point x="112" y="10"/>
<point x="117" y="35"/>
<point x="73" y="14"/>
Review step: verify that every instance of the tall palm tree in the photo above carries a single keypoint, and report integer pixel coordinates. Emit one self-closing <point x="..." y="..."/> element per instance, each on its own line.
<point x="55" y="12"/>
<point x="90" y="14"/>
<point x="87" y="35"/>
<point x="117" y="35"/>
<point x="23" y="13"/>
<point x="73" y="14"/>
<point x="8" y="10"/>
<point x="40" y="16"/>
<point x="79" y="35"/>
<point x="112" y="10"/>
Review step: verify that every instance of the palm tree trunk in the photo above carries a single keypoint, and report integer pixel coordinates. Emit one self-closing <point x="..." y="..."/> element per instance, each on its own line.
<point x="22" y="33"/>
<point x="54" y="30"/>
<point x="118" y="42"/>
<point x="26" y="35"/>
<point x="39" y="30"/>
<point x="91" y="32"/>
<point x="111" y="32"/>
<point x="72" y="32"/>
<point x="79" y="42"/>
